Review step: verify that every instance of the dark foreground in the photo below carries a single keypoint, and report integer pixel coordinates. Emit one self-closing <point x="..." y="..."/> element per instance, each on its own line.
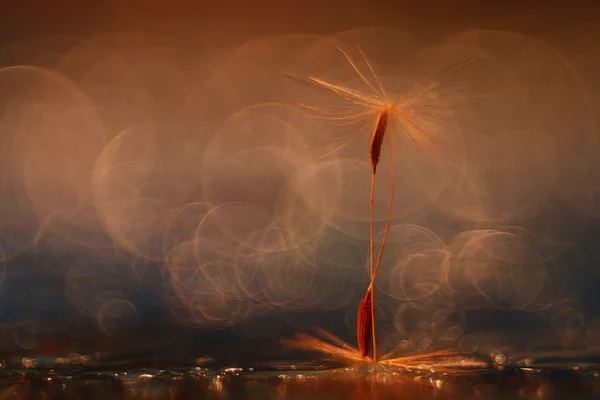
<point x="290" y="382"/>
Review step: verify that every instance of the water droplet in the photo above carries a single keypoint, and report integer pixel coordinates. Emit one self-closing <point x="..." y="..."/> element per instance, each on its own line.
<point x="28" y="362"/>
<point x="500" y="358"/>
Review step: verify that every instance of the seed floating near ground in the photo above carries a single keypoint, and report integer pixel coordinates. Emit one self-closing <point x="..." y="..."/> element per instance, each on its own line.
<point x="364" y="324"/>
<point x="439" y="360"/>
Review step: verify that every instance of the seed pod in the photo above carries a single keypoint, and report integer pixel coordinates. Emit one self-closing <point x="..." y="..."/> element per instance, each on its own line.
<point x="377" y="138"/>
<point x="364" y="325"/>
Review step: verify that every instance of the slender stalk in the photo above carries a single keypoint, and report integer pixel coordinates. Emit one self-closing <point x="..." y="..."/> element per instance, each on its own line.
<point x="374" y="156"/>
<point x="371" y="226"/>
<point x="384" y="240"/>
<point x="370" y="291"/>
<point x="389" y="213"/>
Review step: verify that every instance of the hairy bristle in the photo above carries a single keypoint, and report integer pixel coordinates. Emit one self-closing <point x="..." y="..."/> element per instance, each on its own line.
<point x="377" y="139"/>
<point x="363" y="325"/>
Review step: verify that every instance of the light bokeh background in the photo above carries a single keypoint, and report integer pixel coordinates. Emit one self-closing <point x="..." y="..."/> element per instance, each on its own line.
<point x="164" y="188"/>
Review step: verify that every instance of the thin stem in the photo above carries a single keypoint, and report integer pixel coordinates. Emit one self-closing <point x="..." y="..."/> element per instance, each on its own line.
<point x="389" y="214"/>
<point x="371" y="254"/>
<point x="371" y="224"/>
<point x="384" y="239"/>
<point x="373" y="334"/>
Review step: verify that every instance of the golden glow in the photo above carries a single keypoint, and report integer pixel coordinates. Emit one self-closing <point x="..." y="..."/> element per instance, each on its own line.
<point x="332" y="345"/>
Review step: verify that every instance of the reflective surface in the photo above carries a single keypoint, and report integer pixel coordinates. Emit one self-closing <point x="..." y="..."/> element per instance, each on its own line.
<point x="292" y="382"/>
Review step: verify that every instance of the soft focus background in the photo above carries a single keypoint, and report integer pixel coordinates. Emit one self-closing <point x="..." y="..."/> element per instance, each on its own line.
<point x="163" y="193"/>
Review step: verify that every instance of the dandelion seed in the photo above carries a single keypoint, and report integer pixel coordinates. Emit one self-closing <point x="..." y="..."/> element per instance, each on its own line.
<point x="401" y="116"/>
<point x="327" y="343"/>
